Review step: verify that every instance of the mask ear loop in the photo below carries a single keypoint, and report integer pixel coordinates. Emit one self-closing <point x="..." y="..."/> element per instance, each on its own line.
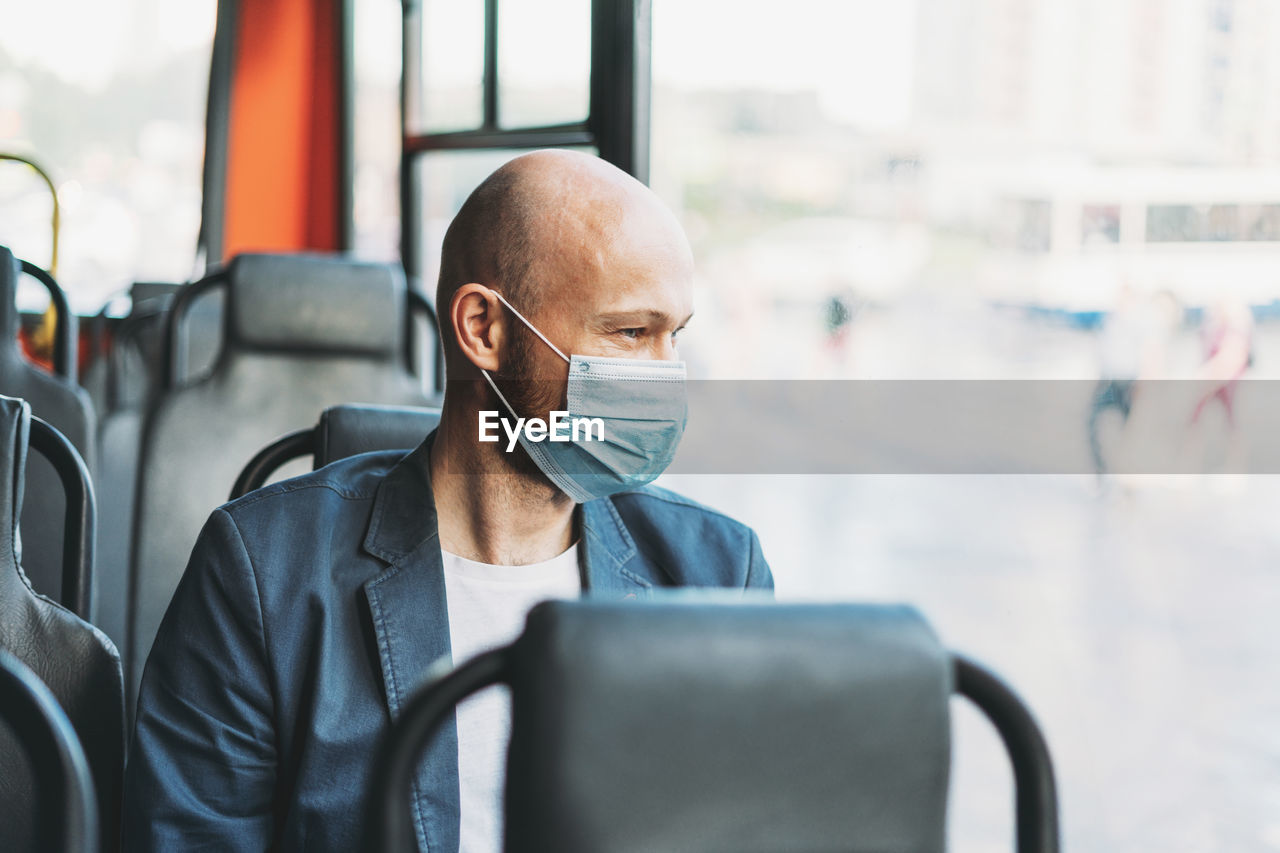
<point x="494" y="386"/>
<point x="512" y="309"/>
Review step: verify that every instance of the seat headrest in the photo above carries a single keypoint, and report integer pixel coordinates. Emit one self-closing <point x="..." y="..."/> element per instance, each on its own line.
<point x="350" y="429"/>
<point x="312" y="302"/>
<point x="15" y="429"/>
<point x="678" y="725"/>
<point x="10" y="320"/>
<point x="142" y="292"/>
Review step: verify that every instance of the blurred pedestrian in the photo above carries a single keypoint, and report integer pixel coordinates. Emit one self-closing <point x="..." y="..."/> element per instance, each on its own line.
<point x="1226" y="338"/>
<point x="1119" y="361"/>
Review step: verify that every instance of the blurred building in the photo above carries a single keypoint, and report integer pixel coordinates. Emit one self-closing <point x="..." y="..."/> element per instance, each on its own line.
<point x="1189" y="81"/>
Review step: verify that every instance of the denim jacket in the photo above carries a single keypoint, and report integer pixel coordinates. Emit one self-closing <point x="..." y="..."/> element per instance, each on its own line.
<point x="308" y="614"/>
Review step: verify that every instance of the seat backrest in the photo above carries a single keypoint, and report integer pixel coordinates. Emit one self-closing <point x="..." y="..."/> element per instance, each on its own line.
<point x="301" y="333"/>
<point x="74" y="659"/>
<point x="349" y="429"/>
<point x="127" y="351"/>
<point x="694" y="727"/>
<point x="687" y="722"/>
<point x="46" y="793"/>
<point x="67" y="408"/>
<point x="345" y="430"/>
<point x="129" y="375"/>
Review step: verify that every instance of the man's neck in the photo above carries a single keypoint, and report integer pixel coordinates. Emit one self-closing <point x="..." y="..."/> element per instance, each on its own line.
<point x="487" y="509"/>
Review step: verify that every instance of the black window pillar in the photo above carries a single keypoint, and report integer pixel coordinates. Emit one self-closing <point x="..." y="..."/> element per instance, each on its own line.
<point x="620" y="83"/>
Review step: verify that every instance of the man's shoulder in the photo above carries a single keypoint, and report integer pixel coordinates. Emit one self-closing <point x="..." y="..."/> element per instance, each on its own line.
<point x="351" y="480"/>
<point x="651" y="511"/>
<point x="657" y="501"/>
<point x="687" y="543"/>
<point x="306" y="531"/>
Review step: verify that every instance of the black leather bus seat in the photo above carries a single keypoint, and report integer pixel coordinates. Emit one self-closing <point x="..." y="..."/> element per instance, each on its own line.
<point x="64" y="405"/>
<point x="344" y="430"/>
<point x="131" y="375"/>
<point x="351" y="429"/>
<point x="128" y="350"/>
<point x="685" y="721"/>
<point x="46" y="793"/>
<point x="125" y="351"/>
<point x="76" y="660"/>
<point x="301" y="333"/>
<point x="704" y="728"/>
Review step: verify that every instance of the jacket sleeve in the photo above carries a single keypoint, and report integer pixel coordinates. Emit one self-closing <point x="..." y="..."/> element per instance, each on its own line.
<point x="759" y="576"/>
<point x="202" y="764"/>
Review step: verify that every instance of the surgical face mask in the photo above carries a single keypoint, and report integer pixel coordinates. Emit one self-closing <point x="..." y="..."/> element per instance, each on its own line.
<point x="641" y="406"/>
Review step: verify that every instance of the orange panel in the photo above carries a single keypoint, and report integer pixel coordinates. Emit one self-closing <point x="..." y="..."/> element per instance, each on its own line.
<point x="282" y="149"/>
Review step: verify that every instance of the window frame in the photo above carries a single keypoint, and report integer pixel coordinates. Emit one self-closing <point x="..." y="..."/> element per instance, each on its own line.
<point x="618" y="112"/>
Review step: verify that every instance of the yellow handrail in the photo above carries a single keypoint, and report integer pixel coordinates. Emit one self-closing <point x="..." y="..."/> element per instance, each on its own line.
<point x="42" y="339"/>
<point x="57" y="212"/>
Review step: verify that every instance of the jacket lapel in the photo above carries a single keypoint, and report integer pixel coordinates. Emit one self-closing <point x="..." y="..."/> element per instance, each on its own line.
<point x="410" y="615"/>
<point x="410" y="618"/>
<point x="611" y="569"/>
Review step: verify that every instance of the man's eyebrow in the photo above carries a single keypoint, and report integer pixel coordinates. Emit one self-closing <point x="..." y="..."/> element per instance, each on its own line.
<point x="641" y="317"/>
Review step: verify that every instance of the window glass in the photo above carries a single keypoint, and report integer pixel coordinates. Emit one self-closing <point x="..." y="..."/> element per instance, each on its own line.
<point x="544" y="62"/>
<point x="1222" y="223"/>
<point x="1176" y="223"/>
<point x="450" y="63"/>
<point x="443" y="181"/>
<point x="26" y="217"/>
<point x="109" y="97"/>
<point x="1260" y="222"/>
<point x="887" y="193"/>
<point x="1187" y="223"/>
<point x="1100" y="224"/>
<point x="376" y="130"/>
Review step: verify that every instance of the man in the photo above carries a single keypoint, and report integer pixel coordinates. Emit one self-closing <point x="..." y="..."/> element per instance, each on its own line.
<point x="312" y="609"/>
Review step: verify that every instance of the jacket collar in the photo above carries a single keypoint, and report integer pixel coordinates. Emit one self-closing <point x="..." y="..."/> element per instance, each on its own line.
<point x="410" y="615"/>
<point x="609" y="553"/>
<point x="404" y="510"/>
<point x="410" y="619"/>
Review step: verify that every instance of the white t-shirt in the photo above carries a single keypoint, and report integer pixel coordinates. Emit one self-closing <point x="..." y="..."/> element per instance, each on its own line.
<point x="487" y="608"/>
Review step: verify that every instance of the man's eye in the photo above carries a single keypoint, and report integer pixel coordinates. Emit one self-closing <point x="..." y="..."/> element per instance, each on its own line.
<point x="631" y="334"/>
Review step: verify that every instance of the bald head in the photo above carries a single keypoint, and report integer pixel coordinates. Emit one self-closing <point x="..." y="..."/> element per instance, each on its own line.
<point x="557" y="225"/>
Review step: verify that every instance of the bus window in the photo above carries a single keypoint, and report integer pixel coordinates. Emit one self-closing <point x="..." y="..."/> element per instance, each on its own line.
<point x="1208" y="223"/>
<point x="1100" y="224"/>
<point x="1260" y="222"/>
<point x="1175" y="223"/>
<point x="112" y="105"/>
<point x="449" y="85"/>
<point x="544" y="59"/>
<point x="955" y="191"/>
<point x="569" y="74"/>
<point x="442" y="182"/>
<point x="26" y="215"/>
<point x="375" y="136"/>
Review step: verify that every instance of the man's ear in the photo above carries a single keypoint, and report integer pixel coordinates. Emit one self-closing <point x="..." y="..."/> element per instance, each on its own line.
<point x="479" y="325"/>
